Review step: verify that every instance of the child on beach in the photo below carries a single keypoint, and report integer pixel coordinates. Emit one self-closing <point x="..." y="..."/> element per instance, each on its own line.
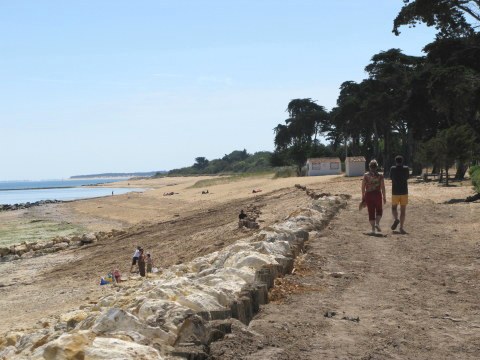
<point x="117" y="276"/>
<point x="149" y="262"/>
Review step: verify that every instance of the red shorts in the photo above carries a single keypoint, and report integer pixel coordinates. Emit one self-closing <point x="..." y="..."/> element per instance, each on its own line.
<point x="374" y="204"/>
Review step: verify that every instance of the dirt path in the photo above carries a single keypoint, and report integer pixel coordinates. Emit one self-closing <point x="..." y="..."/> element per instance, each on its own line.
<point x="355" y="296"/>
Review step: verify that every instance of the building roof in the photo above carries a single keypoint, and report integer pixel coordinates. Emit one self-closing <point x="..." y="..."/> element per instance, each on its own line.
<point x="355" y="159"/>
<point x="323" y="160"/>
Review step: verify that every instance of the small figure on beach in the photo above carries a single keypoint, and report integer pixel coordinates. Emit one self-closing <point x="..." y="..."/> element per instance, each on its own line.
<point x="245" y="221"/>
<point x="141" y="263"/>
<point x="116" y="275"/>
<point x="242" y="215"/>
<point x="254" y="191"/>
<point x="112" y="193"/>
<point x="149" y="262"/>
<point x="204" y="192"/>
<point x="373" y="190"/>
<point x="169" y="193"/>
<point x="135" y="257"/>
<point x="399" y="175"/>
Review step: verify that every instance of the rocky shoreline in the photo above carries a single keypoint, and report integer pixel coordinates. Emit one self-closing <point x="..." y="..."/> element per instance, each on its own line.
<point x="27" y="250"/>
<point x="13" y="207"/>
<point x="180" y="312"/>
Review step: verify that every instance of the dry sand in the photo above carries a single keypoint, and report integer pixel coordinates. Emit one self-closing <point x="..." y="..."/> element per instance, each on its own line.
<point x="416" y="295"/>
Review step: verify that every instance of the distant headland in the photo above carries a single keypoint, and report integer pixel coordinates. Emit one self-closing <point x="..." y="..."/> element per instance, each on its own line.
<point x="119" y="175"/>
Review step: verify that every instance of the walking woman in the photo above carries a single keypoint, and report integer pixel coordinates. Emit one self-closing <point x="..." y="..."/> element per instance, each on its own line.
<point x="373" y="191"/>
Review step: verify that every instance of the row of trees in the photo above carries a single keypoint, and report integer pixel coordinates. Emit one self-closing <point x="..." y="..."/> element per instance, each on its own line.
<point x="426" y="108"/>
<point x="238" y="161"/>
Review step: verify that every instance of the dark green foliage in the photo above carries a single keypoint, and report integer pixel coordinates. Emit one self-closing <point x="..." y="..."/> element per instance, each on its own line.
<point x="278" y="158"/>
<point x="452" y="81"/>
<point x="473" y="169"/>
<point x="455" y="143"/>
<point x="424" y="108"/>
<point x="235" y="162"/>
<point x="200" y="163"/>
<point x="452" y="18"/>
<point x="475" y="176"/>
<point x="286" y="171"/>
<point x="236" y="155"/>
<point x="296" y="139"/>
<point x="372" y="115"/>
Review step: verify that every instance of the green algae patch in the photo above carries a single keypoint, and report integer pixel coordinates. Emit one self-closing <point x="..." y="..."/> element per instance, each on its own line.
<point x="31" y="230"/>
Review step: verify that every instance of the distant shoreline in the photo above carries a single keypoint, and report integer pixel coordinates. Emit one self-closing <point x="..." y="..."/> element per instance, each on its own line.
<point x="61" y="187"/>
<point x="100" y="178"/>
<point x="144" y="174"/>
<point x="64" y="191"/>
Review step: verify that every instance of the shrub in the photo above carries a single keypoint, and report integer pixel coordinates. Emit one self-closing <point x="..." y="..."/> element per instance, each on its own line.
<point x="284" y="172"/>
<point x="475" y="176"/>
<point x="473" y="169"/>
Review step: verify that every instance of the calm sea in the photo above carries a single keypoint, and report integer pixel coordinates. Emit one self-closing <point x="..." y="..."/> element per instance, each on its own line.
<point x="18" y="192"/>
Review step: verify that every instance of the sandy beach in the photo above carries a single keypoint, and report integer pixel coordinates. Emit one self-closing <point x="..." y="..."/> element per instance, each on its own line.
<point x="441" y="248"/>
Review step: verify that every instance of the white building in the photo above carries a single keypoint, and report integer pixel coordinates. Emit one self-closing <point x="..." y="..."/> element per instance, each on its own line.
<point x="354" y="166"/>
<point x="323" y="166"/>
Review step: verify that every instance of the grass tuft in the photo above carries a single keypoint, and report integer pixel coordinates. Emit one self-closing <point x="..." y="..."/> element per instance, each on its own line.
<point x="285" y="172"/>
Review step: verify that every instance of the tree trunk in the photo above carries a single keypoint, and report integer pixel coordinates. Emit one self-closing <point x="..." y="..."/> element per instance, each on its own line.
<point x="355" y="146"/>
<point x="386" y="154"/>
<point x="461" y="170"/>
<point x="412" y="146"/>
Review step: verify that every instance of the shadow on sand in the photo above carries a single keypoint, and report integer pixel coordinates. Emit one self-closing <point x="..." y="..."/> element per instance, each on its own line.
<point x="375" y="234"/>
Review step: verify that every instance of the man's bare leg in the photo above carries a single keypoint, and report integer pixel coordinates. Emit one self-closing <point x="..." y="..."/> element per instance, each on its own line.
<point x="395" y="217"/>
<point x="403" y="213"/>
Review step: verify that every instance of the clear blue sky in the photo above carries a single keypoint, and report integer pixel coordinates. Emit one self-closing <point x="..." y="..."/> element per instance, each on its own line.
<point x="92" y="86"/>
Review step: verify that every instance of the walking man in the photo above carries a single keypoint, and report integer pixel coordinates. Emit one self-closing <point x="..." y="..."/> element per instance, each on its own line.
<point x="399" y="175"/>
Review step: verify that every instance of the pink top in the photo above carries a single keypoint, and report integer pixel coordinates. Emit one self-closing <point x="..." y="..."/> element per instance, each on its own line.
<point x="373" y="181"/>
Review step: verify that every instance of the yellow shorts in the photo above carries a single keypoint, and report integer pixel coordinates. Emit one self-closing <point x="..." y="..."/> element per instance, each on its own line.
<point x="399" y="200"/>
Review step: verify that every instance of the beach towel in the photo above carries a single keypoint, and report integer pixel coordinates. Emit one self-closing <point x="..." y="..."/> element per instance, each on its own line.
<point x="107" y="280"/>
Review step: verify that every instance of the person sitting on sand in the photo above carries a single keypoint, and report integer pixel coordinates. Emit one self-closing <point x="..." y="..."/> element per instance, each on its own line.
<point x="242" y="219"/>
<point x="117" y="276"/>
<point x="242" y="215"/>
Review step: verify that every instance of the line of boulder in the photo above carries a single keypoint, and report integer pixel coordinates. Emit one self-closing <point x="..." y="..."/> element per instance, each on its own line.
<point x="12" y="207"/>
<point x="27" y="250"/>
<point x="180" y="312"/>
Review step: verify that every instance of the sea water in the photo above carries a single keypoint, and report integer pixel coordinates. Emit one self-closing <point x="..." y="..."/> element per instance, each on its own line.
<point x="19" y="192"/>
